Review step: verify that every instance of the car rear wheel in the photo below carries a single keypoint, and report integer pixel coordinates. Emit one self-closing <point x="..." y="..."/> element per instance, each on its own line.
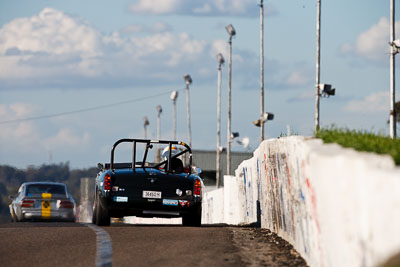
<point x="193" y="219"/>
<point x="102" y="216"/>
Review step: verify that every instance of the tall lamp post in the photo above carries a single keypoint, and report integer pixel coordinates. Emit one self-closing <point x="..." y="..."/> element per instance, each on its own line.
<point x="231" y="31"/>
<point x="188" y="81"/>
<point x="221" y="61"/>
<point x="145" y="124"/>
<point x="262" y="65"/>
<point x="159" y="111"/>
<point x="174" y="96"/>
<point x="318" y="59"/>
<point x="393" y="51"/>
<point x="322" y="89"/>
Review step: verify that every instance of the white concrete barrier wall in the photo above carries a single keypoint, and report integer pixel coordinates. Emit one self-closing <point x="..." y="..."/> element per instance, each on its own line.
<point x="337" y="207"/>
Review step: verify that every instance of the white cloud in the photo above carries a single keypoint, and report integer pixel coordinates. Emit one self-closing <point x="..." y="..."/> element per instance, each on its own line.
<point x="219" y="46"/>
<point x="157" y="27"/>
<point x="373" y="43"/>
<point x="161" y="27"/>
<point x="206" y="8"/>
<point x="53" y="49"/>
<point x="49" y="32"/>
<point x="200" y="8"/>
<point x="66" y="138"/>
<point x="20" y="136"/>
<point x="50" y="44"/>
<point x="135" y="28"/>
<point x="157" y="6"/>
<point x="375" y="102"/>
<point x="25" y="137"/>
<point x="17" y="110"/>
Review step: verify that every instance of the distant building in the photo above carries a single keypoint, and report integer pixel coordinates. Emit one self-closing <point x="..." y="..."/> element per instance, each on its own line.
<point x="206" y="160"/>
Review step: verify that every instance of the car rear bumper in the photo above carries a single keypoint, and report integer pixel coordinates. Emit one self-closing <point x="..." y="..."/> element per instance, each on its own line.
<point x="143" y="208"/>
<point x="33" y="214"/>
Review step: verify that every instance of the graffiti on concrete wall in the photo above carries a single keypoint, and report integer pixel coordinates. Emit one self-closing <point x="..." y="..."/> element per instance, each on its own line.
<point x="288" y="197"/>
<point x="315" y="208"/>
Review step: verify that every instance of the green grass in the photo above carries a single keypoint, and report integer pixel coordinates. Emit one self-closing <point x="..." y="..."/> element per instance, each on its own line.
<point x="362" y="141"/>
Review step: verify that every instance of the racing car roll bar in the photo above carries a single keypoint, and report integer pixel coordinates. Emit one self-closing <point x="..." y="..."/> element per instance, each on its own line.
<point x="149" y="143"/>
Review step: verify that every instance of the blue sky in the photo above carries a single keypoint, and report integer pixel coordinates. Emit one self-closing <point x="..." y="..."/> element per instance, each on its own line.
<point x="59" y="57"/>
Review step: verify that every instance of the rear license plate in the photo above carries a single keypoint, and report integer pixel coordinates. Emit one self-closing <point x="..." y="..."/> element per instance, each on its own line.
<point x="151" y="194"/>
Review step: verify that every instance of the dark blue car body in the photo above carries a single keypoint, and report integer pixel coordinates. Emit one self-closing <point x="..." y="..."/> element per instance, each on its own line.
<point x="155" y="189"/>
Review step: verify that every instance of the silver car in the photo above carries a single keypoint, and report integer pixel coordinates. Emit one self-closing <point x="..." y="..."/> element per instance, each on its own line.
<point x="42" y="201"/>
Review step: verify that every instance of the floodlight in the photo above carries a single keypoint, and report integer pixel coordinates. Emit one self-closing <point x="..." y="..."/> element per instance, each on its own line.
<point x="174" y="95"/>
<point x="326" y="89"/>
<point x="159" y="109"/>
<point x="397" y="110"/>
<point x="234" y="135"/>
<point x="188" y="79"/>
<point x="231" y="31"/>
<point x="257" y="123"/>
<point x="220" y="58"/>
<point x="244" y="142"/>
<point x="396" y="43"/>
<point x="267" y="116"/>
<point x="145" y="121"/>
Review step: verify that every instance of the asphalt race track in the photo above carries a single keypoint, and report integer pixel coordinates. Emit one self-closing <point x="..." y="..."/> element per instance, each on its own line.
<point x="73" y="244"/>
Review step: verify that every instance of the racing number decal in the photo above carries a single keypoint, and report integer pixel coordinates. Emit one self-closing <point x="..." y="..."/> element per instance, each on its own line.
<point x="46" y="205"/>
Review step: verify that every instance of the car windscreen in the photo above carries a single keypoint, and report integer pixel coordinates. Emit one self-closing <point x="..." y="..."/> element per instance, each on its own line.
<point x="38" y="189"/>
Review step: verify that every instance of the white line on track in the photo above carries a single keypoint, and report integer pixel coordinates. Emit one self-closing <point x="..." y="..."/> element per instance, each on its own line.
<point x="103" y="247"/>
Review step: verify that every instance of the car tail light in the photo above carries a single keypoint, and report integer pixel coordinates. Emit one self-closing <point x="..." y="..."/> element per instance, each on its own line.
<point x="65" y="204"/>
<point x="107" y="182"/>
<point x="27" y="203"/>
<point x="197" y="188"/>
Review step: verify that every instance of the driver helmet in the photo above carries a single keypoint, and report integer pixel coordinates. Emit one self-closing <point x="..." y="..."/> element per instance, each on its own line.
<point x="174" y="151"/>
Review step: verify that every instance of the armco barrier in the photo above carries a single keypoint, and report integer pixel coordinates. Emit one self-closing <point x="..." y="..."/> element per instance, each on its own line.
<point x="336" y="206"/>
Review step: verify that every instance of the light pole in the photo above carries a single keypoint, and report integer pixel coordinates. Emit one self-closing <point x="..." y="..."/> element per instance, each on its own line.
<point x="174" y="96"/>
<point x="221" y="61"/>
<point x="262" y="64"/>
<point x="231" y="31"/>
<point x="322" y="89"/>
<point x="188" y="81"/>
<point x="393" y="52"/>
<point x="159" y="111"/>
<point x="145" y="124"/>
<point x="318" y="59"/>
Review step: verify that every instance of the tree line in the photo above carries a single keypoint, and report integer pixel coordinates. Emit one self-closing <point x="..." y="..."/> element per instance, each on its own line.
<point x="11" y="178"/>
